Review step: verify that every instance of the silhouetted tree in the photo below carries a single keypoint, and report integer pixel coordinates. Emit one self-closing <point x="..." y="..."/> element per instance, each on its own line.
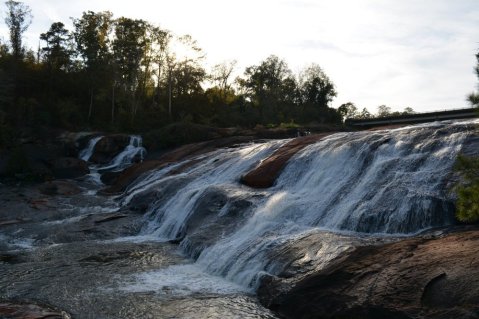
<point x="364" y="114"/>
<point x="91" y="35"/>
<point x="348" y="110"/>
<point x="58" y="50"/>
<point x="383" y="111"/>
<point x="18" y="20"/>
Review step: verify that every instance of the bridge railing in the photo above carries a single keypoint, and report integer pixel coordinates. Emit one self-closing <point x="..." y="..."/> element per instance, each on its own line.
<point x="469" y="112"/>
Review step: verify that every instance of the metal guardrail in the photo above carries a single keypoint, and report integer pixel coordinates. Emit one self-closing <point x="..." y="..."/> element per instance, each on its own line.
<point x="416" y="117"/>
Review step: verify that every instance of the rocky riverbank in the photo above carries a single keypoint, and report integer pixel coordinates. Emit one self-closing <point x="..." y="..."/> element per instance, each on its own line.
<point x="74" y="248"/>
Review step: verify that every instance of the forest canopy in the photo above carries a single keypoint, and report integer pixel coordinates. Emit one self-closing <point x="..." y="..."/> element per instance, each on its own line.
<point x="119" y="73"/>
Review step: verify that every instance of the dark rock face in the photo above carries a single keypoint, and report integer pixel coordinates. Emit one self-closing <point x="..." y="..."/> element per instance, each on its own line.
<point x="266" y="173"/>
<point x="110" y="178"/>
<point x="30" y="161"/>
<point x="64" y="188"/>
<point x="422" y="277"/>
<point x="108" y="147"/>
<point x="69" y="167"/>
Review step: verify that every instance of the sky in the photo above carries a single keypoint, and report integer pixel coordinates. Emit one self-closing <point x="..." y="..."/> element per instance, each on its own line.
<point x="400" y="53"/>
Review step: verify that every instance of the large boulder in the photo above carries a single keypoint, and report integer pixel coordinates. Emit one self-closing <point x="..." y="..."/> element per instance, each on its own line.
<point x="108" y="147"/>
<point x="69" y="167"/>
<point x="266" y="173"/>
<point x="429" y="276"/>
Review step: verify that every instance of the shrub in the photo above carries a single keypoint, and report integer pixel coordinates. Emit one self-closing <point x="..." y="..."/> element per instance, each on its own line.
<point x="467" y="203"/>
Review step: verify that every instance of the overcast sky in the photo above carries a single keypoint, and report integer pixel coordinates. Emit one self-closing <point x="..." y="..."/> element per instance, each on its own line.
<point x="417" y="53"/>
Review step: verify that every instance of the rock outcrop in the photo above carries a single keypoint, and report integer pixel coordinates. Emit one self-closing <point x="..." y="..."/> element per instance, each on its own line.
<point x="421" y="277"/>
<point x="264" y="175"/>
<point x="108" y="147"/>
<point x="69" y="167"/>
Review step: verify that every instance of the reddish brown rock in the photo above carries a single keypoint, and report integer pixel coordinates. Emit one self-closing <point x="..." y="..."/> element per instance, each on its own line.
<point x="29" y="311"/>
<point x="266" y="173"/>
<point x="413" y="278"/>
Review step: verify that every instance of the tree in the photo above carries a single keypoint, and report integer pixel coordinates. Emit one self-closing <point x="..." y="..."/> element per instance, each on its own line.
<point x="220" y="76"/>
<point x="474" y="97"/>
<point x="129" y="47"/>
<point x="408" y="110"/>
<point x="92" y="38"/>
<point x="160" y="45"/>
<point x="264" y="85"/>
<point x="316" y="87"/>
<point x="384" y="111"/>
<point x="348" y="110"/>
<point x="57" y="51"/>
<point x="364" y="114"/>
<point x="18" y="19"/>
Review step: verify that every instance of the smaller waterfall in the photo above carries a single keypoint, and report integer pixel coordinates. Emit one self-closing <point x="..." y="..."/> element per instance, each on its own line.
<point x="87" y="152"/>
<point x="133" y="151"/>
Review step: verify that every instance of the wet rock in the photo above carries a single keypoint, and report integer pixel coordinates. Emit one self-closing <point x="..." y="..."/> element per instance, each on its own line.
<point x="110" y="217"/>
<point x="422" y="277"/>
<point x="108" y="147"/>
<point x="110" y="178"/>
<point x="29" y="311"/>
<point x="69" y="167"/>
<point x="184" y="152"/>
<point x="9" y="222"/>
<point x="64" y="188"/>
<point x="266" y="173"/>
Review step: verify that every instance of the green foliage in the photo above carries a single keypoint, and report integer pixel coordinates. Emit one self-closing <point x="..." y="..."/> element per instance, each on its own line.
<point x="289" y="125"/>
<point x="58" y="50"/>
<point x="467" y="204"/>
<point x="177" y="134"/>
<point x="123" y="74"/>
<point x="348" y="110"/>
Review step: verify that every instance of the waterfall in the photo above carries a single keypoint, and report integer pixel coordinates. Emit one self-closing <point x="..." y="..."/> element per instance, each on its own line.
<point x="87" y="152"/>
<point x="390" y="182"/>
<point x="132" y="151"/>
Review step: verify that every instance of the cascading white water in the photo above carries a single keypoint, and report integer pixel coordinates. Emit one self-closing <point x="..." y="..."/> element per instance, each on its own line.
<point x="125" y="158"/>
<point x="133" y="150"/>
<point x="383" y="182"/>
<point x="87" y="152"/>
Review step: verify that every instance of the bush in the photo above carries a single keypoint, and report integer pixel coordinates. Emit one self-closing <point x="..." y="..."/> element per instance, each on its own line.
<point x="467" y="203"/>
<point x="177" y="134"/>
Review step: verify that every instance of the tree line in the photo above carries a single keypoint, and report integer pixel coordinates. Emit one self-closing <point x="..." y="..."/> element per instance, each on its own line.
<point x="129" y="74"/>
